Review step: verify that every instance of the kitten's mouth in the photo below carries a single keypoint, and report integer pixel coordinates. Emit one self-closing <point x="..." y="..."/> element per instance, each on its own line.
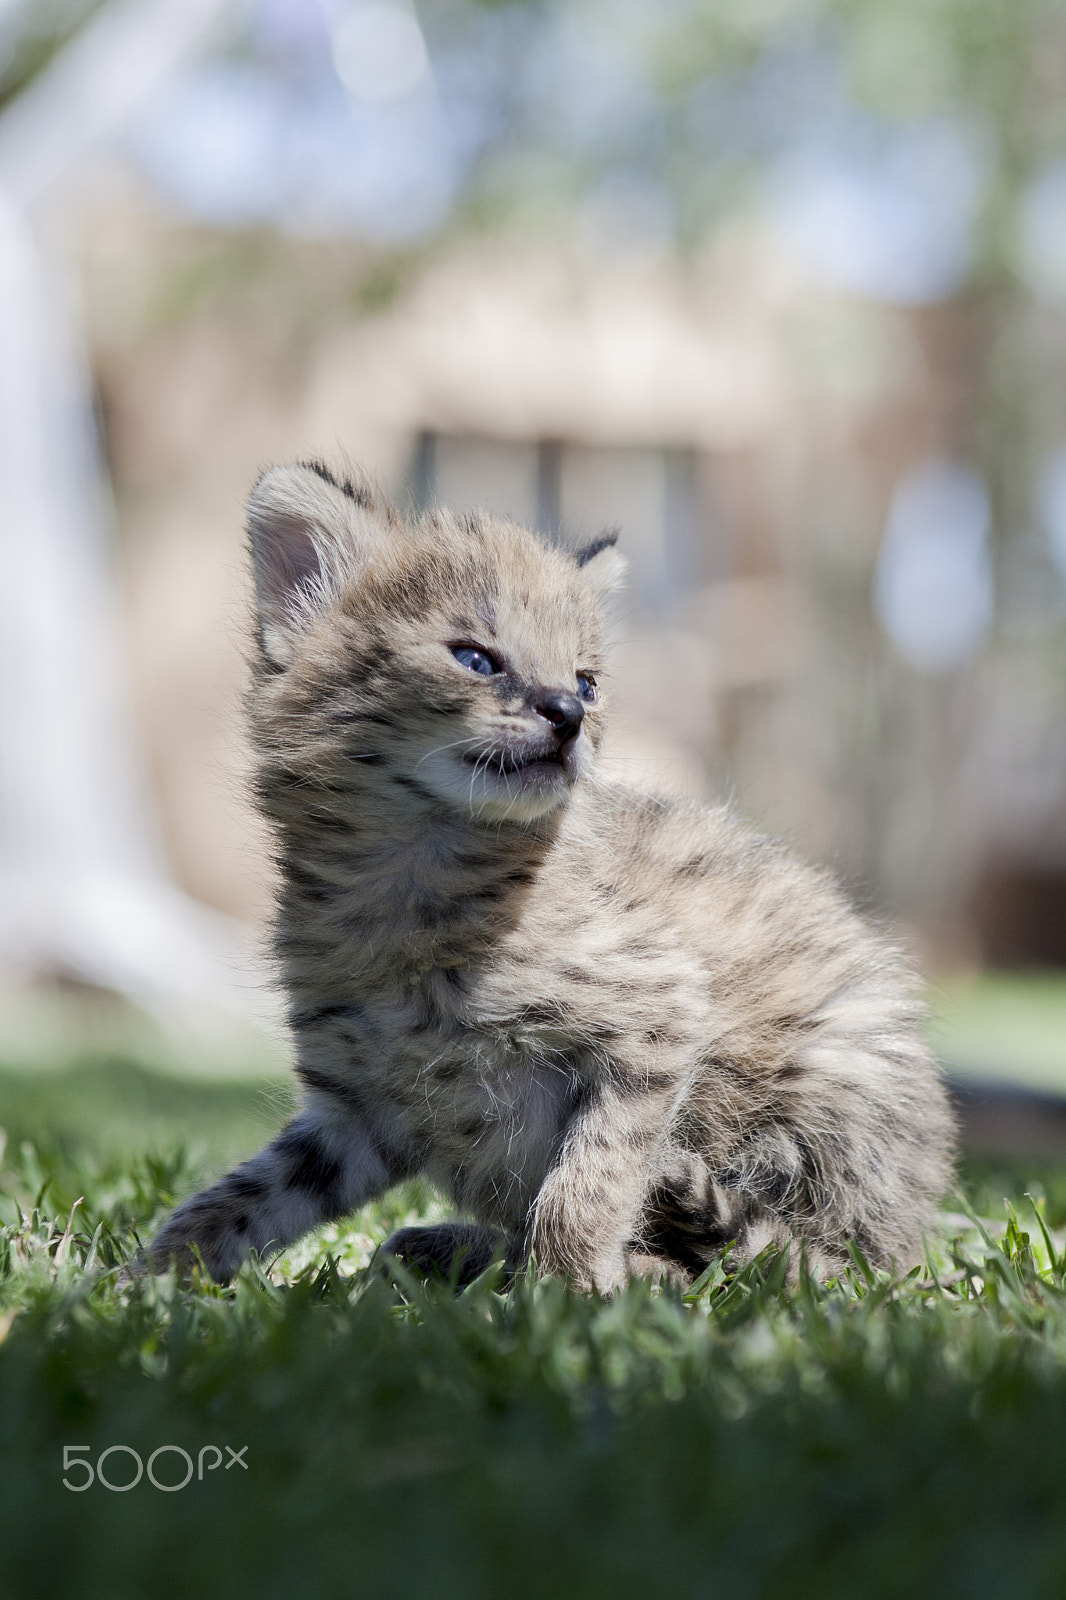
<point x="509" y="762"/>
<point x="536" y="758"/>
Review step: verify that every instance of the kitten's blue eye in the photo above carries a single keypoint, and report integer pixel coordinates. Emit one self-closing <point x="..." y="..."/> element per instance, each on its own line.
<point x="586" y="687"/>
<point x="475" y="660"/>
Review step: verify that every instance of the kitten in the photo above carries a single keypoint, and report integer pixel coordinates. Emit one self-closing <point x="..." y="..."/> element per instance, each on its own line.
<point x="618" y="1032"/>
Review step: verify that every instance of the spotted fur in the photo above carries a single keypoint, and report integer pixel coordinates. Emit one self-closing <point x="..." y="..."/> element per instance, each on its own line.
<point x="618" y="1032"/>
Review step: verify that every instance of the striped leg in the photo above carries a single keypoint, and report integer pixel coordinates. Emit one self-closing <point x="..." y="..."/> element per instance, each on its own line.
<point x="589" y="1204"/>
<point x="319" y="1167"/>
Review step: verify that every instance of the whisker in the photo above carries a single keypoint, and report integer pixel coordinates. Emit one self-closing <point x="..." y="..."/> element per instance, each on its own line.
<point x="454" y="745"/>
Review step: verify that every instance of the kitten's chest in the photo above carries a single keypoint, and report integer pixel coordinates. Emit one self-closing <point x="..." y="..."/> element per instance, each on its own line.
<point x="493" y="1114"/>
<point x="447" y="1055"/>
<point x="485" y="1101"/>
<point x="505" y="1064"/>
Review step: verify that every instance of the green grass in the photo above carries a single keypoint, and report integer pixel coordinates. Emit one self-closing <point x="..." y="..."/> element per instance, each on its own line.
<point x="870" y="1436"/>
<point x="1005" y="1026"/>
<point x="115" y="1106"/>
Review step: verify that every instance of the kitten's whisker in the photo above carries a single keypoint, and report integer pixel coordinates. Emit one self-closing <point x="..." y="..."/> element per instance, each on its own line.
<point x="470" y="791"/>
<point x="440" y="748"/>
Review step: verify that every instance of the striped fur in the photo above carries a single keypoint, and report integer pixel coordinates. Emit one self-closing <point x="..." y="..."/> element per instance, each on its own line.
<point x="618" y="1032"/>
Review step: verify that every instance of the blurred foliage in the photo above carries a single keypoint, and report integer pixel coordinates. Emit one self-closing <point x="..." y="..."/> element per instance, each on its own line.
<point x="31" y="32"/>
<point x="715" y="90"/>
<point x="696" y="95"/>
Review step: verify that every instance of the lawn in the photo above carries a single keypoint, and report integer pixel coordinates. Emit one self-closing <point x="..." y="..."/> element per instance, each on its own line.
<point x="1007" y="1027"/>
<point x="870" y="1436"/>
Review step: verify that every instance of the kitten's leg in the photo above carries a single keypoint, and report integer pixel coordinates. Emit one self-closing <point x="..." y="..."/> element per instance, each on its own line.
<point x="464" y="1249"/>
<point x="857" y="1152"/>
<point x="589" y="1203"/>
<point x="319" y="1167"/>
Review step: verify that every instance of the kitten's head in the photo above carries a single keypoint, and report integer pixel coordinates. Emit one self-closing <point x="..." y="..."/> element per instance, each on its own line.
<point x="459" y="657"/>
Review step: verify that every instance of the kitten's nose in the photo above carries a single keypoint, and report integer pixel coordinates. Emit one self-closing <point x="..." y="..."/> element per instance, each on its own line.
<point x="565" y="712"/>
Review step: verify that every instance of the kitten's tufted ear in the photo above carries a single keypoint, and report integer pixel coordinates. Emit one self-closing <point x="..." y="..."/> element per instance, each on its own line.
<point x="602" y="564"/>
<point x="308" y="532"/>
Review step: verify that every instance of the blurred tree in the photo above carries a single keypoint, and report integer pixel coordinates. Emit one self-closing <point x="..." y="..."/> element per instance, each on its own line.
<point x="31" y="31"/>
<point x="86" y="892"/>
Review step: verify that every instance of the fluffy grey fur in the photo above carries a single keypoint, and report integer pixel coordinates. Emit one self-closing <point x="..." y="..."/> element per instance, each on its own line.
<point x="618" y="1032"/>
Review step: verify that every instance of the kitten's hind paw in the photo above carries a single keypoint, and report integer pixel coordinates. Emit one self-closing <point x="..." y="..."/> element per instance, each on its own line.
<point x="458" y="1252"/>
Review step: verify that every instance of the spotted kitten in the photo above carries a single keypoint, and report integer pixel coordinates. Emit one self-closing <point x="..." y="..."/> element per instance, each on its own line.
<point x="616" y="1031"/>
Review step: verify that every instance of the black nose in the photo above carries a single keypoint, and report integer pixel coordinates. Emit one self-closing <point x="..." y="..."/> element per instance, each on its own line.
<point x="565" y="712"/>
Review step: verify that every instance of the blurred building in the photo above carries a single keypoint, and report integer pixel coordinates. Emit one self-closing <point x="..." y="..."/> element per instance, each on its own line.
<point x="745" y="428"/>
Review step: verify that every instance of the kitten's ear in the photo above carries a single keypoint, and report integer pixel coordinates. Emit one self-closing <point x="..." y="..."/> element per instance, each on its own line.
<point x="308" y="534"/>
<point x="602" y="564"/>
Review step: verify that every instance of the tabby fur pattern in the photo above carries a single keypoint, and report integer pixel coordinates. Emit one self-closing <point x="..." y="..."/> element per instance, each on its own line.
<point x="618" y="1032"/>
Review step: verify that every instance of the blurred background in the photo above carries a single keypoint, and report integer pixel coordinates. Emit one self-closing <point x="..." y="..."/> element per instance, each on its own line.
<point x="777" y="288"/>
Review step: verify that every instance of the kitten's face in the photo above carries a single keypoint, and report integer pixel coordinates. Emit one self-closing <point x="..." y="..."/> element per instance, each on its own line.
<point x="514" y="681"/>
<point x="458" y="659"/>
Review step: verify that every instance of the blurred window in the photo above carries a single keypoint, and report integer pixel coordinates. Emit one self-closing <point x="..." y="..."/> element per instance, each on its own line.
<point x="658" y="498"/>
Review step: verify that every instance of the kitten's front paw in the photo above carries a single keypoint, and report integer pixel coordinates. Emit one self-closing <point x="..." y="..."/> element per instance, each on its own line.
<point x="569" y="1239"/>
<point x="568" y="1257"/>
<point x="196" y="1236"/>
<point x="609" y="1273"/>
<point x="639" y="1264"/>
